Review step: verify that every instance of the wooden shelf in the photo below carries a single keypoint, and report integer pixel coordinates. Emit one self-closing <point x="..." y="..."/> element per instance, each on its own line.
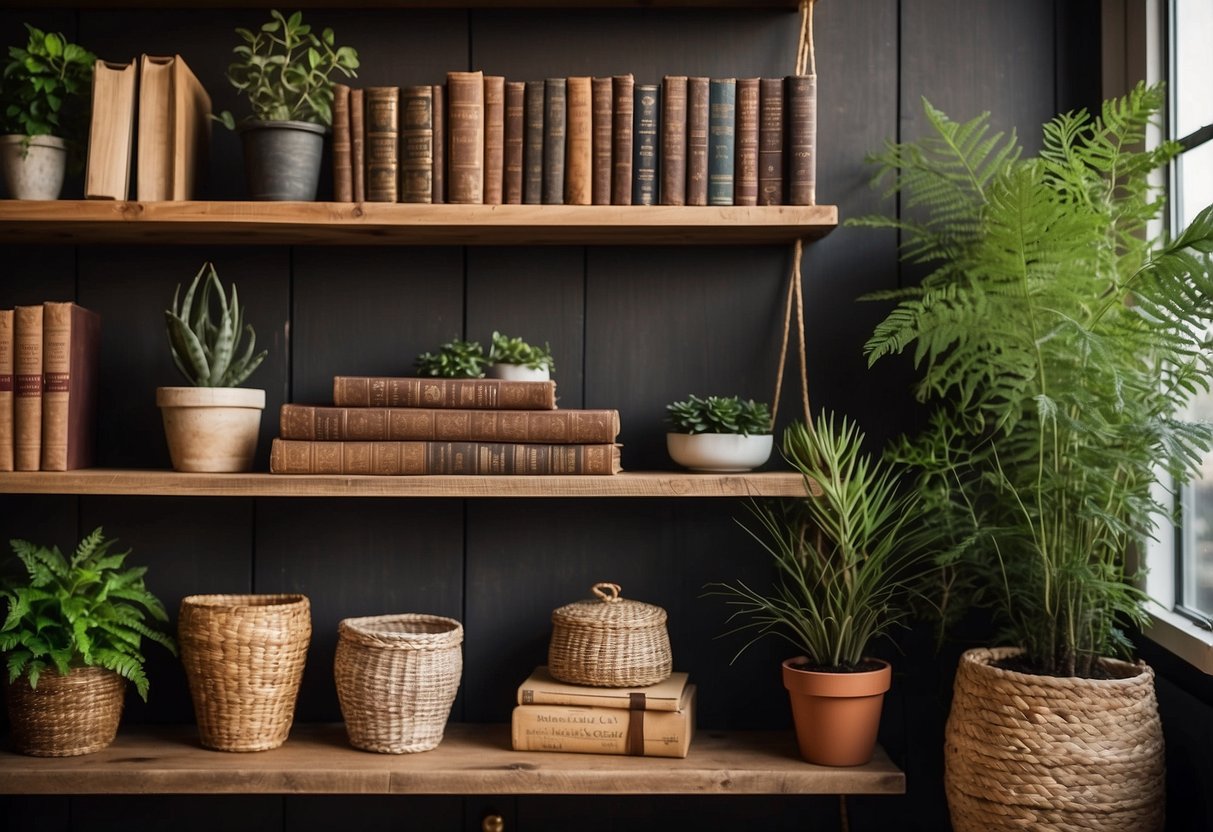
<point x="787" y="5"/>
<point x="472" y="759"/>
<point x="173" y="483"/>
<point x="378" y="223"/>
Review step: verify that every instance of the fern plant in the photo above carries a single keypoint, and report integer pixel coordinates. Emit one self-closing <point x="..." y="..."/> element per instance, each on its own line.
<point x="1057" y="342"/>
<point x="207" y="349"/>
<point x="87" y="610"/>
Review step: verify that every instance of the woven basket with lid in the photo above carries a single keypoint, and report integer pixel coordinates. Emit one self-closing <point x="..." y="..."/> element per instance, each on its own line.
<point x="609" y="641"/>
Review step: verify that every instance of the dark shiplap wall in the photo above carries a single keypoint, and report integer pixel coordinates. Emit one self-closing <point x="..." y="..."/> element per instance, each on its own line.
<point x="632" y="328"/>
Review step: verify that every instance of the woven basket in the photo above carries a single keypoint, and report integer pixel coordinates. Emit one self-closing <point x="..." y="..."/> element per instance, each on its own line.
<point x="1046" y="753"/>
<point x="244" y="657"/>
<point x="66" y="716"/>
<point x="397" y="676"/>
<point x="609" y="642"/>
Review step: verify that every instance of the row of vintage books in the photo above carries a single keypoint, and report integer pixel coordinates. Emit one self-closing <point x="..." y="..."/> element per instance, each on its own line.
<point x="578" y="140"/>
<point x="411" y="426"/>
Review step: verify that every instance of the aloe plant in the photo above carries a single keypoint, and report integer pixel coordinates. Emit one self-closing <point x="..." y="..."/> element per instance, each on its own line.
<point x="207" y="351"/>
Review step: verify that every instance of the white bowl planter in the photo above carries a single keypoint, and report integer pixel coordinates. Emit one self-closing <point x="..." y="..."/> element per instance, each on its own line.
<point x="211" y="429"/>
<point x="719" y="452"/>
<point x="517" y="372"/>
<point x="35" y="172"/>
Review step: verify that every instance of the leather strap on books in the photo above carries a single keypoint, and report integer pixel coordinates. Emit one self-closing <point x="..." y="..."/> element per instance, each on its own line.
<point x="636" y="703"/>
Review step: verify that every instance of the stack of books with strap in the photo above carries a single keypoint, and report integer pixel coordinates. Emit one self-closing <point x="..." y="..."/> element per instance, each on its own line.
<point x="416" y="426"/>
<point x="653" y="721"/>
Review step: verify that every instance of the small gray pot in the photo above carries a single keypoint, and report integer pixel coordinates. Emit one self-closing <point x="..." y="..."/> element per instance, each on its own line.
<point x="282" y="159"/>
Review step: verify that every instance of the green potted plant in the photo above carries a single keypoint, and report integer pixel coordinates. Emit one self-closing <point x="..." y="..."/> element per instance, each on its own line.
<point x="72" y="638"/>
<point x="43" y="105"/>
<point x="211" y="425"/>
<point x="454" y="359"/>
<point x="284" y="69"/>
<point x="1058" y="342"/>
<point x="719" y="433"/>
<point x="844" y="562"/>
<point x="515" y="359"/>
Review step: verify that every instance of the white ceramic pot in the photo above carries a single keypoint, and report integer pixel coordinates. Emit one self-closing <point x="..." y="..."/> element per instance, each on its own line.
<point x="721" y="452"/>
<point x="211" y="429"/>
<point x="36" y="171"/>
<point x="517" y="372"/>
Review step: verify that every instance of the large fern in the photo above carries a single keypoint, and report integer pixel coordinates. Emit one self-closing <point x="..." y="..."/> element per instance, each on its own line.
<point x="84" y="611"/>
<point x="1056" y="343"/>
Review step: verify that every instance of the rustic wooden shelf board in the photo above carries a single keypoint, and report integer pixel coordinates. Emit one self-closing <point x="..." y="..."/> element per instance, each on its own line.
<point x="407" y="4"/>
<point x="472" y="759"/>
<point x="173" y="483"/>
<point x="371" y="223"/>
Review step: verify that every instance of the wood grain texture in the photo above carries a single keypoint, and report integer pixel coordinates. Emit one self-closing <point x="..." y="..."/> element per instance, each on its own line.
<point x="786" y="5"/>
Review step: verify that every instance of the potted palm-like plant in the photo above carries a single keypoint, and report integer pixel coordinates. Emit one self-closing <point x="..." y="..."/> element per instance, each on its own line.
<point x="1058" y="341"/>
<point x="719" y="433"/>
<point x="212" y="425"/>
<point x="514" y="359"/>
<point x="844" y="562"/>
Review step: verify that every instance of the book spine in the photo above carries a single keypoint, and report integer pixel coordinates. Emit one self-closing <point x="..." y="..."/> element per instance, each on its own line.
<point x="494" y="139"/>
<point x="697" y="141"/>
<point x="579" y="146"/>
<point x="6" y="389"/>
<point x="465" y="137"/>
<point x="107" y="168"/>
<point x="294" y="456"/>
<point x="745" y="171"/>
<point x="770" y="142"/>
<point x="470" y="393"/>
<point x="602" y="114"/>
<point x="593" y="698"/>
<point x="674" y="140"/>
<point x="623" y="91"/>
<point x="532" y="151"/>
<point x="382" y="143"/>
<point x="515" y="101"/>
<point x="56" y="383"/>
<point x="191" y="132"/>
<point x="343" y="175"/>
<point x="602" y="730"/>
<point x="438" y="111"/>
<point x="554" y="121"/>
<point x="552" y="427"/>
<point x="417" y="144"/>
<point x="802" y="139"/>
<point x="358" y="143"/>
<point x="721" y="124"/>
<point x="27" y="388"/>
<point x="644" y="144"/>
<point x="153" y="166"/>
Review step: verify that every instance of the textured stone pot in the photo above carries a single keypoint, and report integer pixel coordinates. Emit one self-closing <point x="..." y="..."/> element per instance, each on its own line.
<point x="282" y="159"/>
<point x="36" y="171"/>
<point x="66" y="716"/>
<point x="723" y="452"/>
<point x="211" y="429"/>
<point x="837" y="715"/>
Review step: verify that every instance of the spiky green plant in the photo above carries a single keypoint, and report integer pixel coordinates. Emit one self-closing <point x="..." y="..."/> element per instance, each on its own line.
<point x="83" y="611"/>
<point x="514" y="350"/>
<point x="1057" y="342"/>
<point x="719" y="414"/>
<point x="454" y="359"/>
<point x="844" y="560"/>
<point x="205" y="349"/>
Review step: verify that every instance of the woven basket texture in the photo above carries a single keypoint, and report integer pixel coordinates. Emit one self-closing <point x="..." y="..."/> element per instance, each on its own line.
<point x="1053" y="754"/>
<point x="609" y="641"/>
<point x="244" y="657"/>
<point x="397" y="676"/>
<point x="66" y="716"/>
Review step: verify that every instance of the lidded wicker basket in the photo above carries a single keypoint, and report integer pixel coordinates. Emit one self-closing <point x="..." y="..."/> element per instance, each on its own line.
<point x="608" y="641"/>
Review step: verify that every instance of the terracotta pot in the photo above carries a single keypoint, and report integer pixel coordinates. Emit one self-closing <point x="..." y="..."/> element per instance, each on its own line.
<point x="33" y="171"/>
<point x="66" y="716"/>
<point x="211" y="429"/>
<point x="836" y="714"/>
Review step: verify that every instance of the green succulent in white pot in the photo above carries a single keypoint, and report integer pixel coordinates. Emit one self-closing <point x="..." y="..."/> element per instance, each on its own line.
<point x="719" y="433"/>
<point x="512" y="358"/>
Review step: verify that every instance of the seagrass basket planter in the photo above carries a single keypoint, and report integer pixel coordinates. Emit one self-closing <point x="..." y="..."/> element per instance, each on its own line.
<point x="397" y="676"/>
<point x="609" y="641"/>
<point x="65" y="716"/>
<point x="1053" y="753"/>
<point x="244" y="658"/>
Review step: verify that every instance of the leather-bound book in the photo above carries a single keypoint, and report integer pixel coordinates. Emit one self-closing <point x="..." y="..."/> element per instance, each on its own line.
<point x="111" y="132"/>
<point x="554" y="133"/>
<point x="802" y="139"/>
<point x="71" y="344"/>
<point x="745" y="169"/>
<point x="27" y="388"/>
<point x="602" y="102"/>
<point x="697" y="141"/>
<point x="623" y="90"/>
<point x="644" y="144"/>
<point x="515" y="104"/>
<point x="423" y="391"/>
<point x="417" y="144"/>
<point x="465" y="137"/>
<point x="343" y="174"/>
<point x="579" y="148"/>
<point x="6" y="389"/>
<point x="494" y="139"/>
<point x="438" y="180"/>
<point x="297" y="456"/>
<point x="532" y="143"/>
<point x="382" y="144"/>
<point x="674" y="140"/>
<point x="721" y="138"/>
<point x="358" y="143"/>
<point x="770" y="142"/>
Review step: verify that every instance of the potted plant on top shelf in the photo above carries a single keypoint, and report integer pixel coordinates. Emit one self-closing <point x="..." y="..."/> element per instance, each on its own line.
<point x="1058" y="342"/>
<point x="513" y="358"/>
<point x="719" y="433"/>
<point x="454" y="359"/>
<point x="284" y="69"/>
<point x="43" y="107"/>
<point x="212" y="425"/>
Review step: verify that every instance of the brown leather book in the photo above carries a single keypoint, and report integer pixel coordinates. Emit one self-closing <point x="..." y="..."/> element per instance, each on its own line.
<point x="770" y="142"/>
<point x="111" y="132"/>
<point x="532" y="143"/>
<point x="294" y="456"/>
<point x="417" y="144"/>
<point x="469" y="393"/>
<point x="71" y="344"/>
<point x="622" y="88"/>
<point x="27" y="388"/>
<point x="554" y="121"/>
<point x="358" y="143"/>
<point x="602" y="108"/>
<point x="494" y="139"/>
<point x="382" y="144"/>
<point x="745" y="172"/>
<point x="802" y="139"/>
<point x="465" y="137"/>
<point x="343" y="174"/>
<point x="439" y="113"/>
<point x="515" y="101"/>
<point x="674" y="140"/>
<point x="697" y="141"/>
<point x="556" y="427"/>
<point x="6" y="389"/>
<point x="579" y="156"/>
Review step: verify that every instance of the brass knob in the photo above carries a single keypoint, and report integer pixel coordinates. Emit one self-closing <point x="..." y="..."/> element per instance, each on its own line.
<point x="492" y="823"/>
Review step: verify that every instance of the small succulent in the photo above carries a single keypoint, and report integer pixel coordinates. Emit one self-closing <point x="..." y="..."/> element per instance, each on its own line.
<point x="719" y="414"/>
<point x="207" y="352"/>
<point x="454" y="359"/>
<point x="507" y="350"/>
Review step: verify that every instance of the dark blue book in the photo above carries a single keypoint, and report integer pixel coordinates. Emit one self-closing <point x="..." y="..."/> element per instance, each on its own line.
<point x="722" y="118"/>
<point x="644" y="146"/>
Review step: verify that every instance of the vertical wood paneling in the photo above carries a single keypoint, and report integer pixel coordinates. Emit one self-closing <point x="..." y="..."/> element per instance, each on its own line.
<point x="403" y="813"/>
<point x="169" y="813"/>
